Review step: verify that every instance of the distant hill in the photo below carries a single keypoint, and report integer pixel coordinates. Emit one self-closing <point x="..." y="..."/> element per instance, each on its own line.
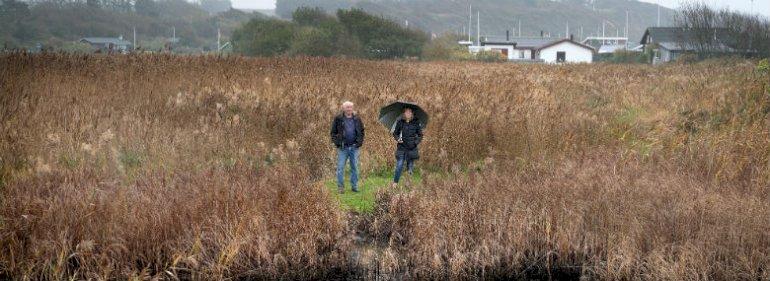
<point x="497" y="16"/>
<point x="25" y="24"/>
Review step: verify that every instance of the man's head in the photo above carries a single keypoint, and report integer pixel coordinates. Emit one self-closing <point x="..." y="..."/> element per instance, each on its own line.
<point x="347" y="108"/>
<point x="408" y="114"/>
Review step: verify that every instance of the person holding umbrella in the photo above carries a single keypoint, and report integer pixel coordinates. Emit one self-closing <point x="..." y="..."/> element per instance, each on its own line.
<point x="408" y="134"/>
<point x="406" y="121"/>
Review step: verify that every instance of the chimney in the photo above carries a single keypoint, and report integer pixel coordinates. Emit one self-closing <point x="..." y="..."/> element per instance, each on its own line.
<point x="507" y="35"/>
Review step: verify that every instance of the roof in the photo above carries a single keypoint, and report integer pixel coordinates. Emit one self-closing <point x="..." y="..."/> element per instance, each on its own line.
<point x="680" y="34"/>
<point x="534" y="43"/>
<point x="672" y="46"/>
<point x="106" y="40"/>
<point x="681" y="39"/>
<point x="499" y="43"/>
<point x="567" y="41"/>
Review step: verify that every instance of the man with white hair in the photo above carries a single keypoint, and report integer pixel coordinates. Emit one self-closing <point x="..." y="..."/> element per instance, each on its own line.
<point x="347" y="134"/>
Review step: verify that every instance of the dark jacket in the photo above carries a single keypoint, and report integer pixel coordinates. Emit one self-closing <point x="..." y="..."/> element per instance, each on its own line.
<point x="338" y="131"/>
<point x="410" y="132"/>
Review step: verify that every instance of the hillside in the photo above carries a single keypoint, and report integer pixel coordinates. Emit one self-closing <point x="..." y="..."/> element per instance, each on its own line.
<point x="57" y="26"/>
<point x="439" y="16"/>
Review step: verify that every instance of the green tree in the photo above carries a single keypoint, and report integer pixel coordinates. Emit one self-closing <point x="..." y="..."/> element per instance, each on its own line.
<point x="322" y="35"/>
<point x="285" y="8"/>
<point x="313" y="41"/>
<point x="445" y="47"/>
<point x="260" y="37"/>
<point x="381" y="38"/>
<point x="312" y="17"/>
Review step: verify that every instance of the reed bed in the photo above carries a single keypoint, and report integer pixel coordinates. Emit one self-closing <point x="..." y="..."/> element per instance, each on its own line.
<point x="205" y="167"/>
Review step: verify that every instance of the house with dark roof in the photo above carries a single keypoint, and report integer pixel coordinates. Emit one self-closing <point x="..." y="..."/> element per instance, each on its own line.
<point x="108" y="44"/>
<point x="539" y="49"/>
<point x="669" y="43"/>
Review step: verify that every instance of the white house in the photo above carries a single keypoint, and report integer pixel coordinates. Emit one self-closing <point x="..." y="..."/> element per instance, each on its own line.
<point x="567" y="51"/>
<point x="539" y="49"/>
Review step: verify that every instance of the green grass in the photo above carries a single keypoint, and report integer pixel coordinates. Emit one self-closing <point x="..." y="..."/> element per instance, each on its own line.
<point x="368" y="185"/>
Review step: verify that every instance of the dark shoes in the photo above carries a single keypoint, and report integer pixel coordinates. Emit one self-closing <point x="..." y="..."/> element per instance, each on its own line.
<point x="341" y="190"/>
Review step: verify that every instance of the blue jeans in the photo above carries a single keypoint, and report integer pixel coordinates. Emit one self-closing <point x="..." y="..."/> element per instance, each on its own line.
<point x="400" y="167"/>
<point x="343" y="155"/>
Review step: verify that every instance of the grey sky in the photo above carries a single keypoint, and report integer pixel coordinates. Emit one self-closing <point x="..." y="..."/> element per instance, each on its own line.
<point x="256" y="4"/>
<point x="760" y="6"/>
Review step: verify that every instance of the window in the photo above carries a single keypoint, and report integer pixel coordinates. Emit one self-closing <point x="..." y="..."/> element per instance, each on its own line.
<point x="561" y="56"/>
<point x="503" y="52"/>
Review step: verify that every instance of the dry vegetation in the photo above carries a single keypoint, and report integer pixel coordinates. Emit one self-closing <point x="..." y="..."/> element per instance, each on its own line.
<point x="204" y="167"/>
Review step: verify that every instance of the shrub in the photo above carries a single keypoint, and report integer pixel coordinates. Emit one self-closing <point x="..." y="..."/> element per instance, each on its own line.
<point x="490" y="56"/>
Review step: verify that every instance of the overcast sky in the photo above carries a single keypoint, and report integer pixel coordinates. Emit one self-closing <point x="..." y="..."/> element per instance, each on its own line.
<point x="760" y="6"/>
<point x="255" y="4"/>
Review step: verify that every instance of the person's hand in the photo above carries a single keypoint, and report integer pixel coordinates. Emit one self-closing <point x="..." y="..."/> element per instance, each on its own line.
<point x="400" y="141"/>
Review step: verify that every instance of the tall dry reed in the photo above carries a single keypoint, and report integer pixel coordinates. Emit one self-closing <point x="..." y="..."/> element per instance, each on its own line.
<point x="201" y="167"/>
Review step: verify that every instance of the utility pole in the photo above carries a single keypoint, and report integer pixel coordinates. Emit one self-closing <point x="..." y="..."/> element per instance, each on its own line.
<point x="581" y="33"/>
<point x="219" y="39"/>
<point x="478" y="28"/>
<point x="603" y="26"/>
<point x="627" y="29"/>
<point x="519" y="28"/>
<point x="173" y="33"/>
<point x="566" y="35"/>
<point x="470" y="22"/>
<point x="134" y="45"/>
<point x="658" y="13"/>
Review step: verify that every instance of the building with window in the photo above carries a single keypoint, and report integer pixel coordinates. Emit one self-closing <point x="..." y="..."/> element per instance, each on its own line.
<point x="670" y="43"/>
<point x="538" y="49"/>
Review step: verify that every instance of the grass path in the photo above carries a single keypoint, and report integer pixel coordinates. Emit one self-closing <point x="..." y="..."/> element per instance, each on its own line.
<point x="368" y="185"/>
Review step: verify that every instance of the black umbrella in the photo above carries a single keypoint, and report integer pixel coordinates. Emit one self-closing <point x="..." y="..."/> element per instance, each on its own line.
<point x="390" y="114"/>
